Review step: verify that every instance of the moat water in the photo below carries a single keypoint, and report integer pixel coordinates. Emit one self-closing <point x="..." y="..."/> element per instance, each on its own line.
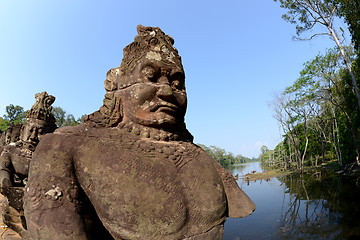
<point x="316" y="206"/>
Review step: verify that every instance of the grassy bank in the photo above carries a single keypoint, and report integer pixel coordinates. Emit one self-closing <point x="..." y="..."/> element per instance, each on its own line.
<point x="266" y="174"/>
<point x="331" y="167"/>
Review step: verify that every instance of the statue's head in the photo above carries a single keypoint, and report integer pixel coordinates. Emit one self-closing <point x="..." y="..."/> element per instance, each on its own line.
<point x="15" y="132"/>
<point x="148" y="88"/>
<point x="8" y="132"/>
<point x="158" y="99"/>
<point x="39" y="120"/>
<point x="11" y="134"/>
<point x="34" y="129"/>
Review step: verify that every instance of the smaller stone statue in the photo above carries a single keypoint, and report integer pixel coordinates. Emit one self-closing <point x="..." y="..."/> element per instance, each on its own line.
<point x="11" y="134"/>
<point x="20" y="143"/>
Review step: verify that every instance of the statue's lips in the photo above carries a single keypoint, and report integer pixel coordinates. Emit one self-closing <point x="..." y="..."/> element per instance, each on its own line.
<point x="164" y="108"/>
<point x="31" y="144"/>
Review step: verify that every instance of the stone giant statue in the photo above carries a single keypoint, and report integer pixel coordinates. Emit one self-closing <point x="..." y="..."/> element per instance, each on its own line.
<point x="15" y="157"/>
<point x="131" y="170"/>
<point x="11" y="134"/>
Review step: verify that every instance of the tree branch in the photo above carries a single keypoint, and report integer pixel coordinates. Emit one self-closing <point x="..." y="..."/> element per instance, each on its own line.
<point x="307" y="39"/>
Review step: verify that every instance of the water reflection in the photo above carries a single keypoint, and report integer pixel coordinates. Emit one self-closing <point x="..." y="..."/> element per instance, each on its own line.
<point x="245" y="168"/>
<point x="320" y="207"/>
<point x="314" y="206"/>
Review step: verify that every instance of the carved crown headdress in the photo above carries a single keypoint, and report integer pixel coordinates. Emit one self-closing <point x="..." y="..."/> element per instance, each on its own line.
<point x="42" y="108"/>
<point x="151" y="43"/>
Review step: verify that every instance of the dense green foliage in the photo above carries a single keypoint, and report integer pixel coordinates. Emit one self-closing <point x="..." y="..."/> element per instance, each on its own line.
<point x="350" y="10"/>
<point x="225" y="158"/>
<point x="17" y="114"/>
<point x="319" y="113"/>
<point x="14" y="113"/>
<point x="319" y="117"/>
<point x="3" y="124"/>
<point x="63" y="119"/>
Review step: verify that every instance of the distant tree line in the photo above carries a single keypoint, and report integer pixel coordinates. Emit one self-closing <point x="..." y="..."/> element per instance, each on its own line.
<point x="63" y="119"/>
<point x="225" y="158"/>
<point x="319" y="113"/>
<point x="16" y="114"/>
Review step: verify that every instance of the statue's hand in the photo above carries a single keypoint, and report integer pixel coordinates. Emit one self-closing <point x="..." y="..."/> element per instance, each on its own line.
<point x="5" y="182"/>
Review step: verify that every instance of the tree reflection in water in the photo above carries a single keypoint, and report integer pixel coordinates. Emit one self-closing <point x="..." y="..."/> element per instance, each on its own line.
<point x="319" y="206"/>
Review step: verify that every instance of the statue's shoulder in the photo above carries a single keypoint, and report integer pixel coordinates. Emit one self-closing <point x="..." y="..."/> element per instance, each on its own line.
<point x="80" y="129"/>
<point x="9" y="149"/>
<point x="70" y="138"/>
<point x="56" y="149"/>
<point x="63" y="139"/>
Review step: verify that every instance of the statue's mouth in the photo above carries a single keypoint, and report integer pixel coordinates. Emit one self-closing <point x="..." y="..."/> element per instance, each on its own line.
<point x="165" y="107"/>
<point x="31" y="145"/>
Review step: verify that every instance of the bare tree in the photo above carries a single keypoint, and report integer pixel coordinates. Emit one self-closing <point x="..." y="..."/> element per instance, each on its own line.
<point x="291" y="113"/>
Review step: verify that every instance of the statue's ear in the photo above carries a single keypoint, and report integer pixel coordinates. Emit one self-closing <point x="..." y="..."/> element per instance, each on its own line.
<point x="118" y="110"/>
<point x="239" y="204"/>
<point x="22" y="130"/>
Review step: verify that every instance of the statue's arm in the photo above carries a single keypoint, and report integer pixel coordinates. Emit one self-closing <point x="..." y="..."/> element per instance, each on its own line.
<point x="5" y="169"/>
<point x="239" y="204"/>
<point x="51" y="201"/>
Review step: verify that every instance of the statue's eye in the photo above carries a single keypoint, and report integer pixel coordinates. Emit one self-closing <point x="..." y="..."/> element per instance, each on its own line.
<point x="149" y="72"/>
<point x="176" y="84"/>
<point x="41" y="131"/>
<point x="177" y="81"/>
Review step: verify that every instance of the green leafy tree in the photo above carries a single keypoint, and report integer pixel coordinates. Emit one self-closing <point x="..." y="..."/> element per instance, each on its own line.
<point x="71" y="121"/>
<point x="14" y="113"/>
<point x="325" y="83"/>
<point x="60" y="116"/>
<point x="316" y="115"/>
<point x="226" y="158"/>
<point x="350" y="10"/>
<point x="219" y="155"/>
<point x="63" y="119"/>
<point x="4" y="124"/>
<point x="264" y="149"/>
<point x="308" y="14"/>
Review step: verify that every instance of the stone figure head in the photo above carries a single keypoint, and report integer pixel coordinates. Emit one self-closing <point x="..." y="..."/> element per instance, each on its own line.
<point x="16" y="132"/>
<point x="148" y="88"/>
<point x="34" y="129"/>
<point x="39" y="119"/>
<point x="7" y="133"/>
<point x="11" y="134"/>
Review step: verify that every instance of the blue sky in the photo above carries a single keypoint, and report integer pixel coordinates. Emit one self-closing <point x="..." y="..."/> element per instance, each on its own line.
<point x="236" y="55"/>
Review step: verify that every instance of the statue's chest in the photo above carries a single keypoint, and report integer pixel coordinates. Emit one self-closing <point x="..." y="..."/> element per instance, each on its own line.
<point x="20" y="159"/>
<point x="151" y="187"/>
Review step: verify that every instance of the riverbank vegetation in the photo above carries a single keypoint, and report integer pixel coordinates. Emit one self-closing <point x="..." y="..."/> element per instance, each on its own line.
<point x="226" y="158"/>
<point x="319" y="114"/>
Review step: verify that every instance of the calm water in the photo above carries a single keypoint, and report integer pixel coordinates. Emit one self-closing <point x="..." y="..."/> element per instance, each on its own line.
<point x="314" y="206"/>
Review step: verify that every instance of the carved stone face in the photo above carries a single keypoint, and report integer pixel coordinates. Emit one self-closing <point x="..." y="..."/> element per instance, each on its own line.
<point x="7" y="137"/>
<point x="159" y="98"/>
<point x="33" y="130"/>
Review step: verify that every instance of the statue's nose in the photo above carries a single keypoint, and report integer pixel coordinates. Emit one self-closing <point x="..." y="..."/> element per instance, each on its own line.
<point x="163" y="80"/>
<point x="164" y="90"/>
<point x="33" y="135"/>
